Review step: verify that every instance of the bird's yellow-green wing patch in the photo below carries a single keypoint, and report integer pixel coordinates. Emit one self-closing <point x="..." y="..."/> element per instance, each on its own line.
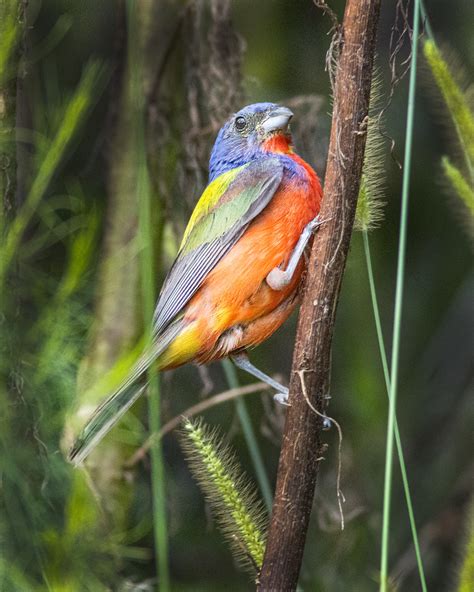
<point x="221" y="217"/>
<point x="208" y="200"/>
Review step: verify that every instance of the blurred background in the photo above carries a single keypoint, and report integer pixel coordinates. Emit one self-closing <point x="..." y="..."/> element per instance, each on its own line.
<point x="108" y="111"/>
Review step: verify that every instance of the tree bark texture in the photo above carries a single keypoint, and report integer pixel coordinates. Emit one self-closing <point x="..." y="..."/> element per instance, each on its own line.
<point x="310" y="377"/>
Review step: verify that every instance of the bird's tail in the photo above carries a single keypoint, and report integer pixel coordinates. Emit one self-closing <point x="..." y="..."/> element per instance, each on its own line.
<point x="103" y="420"/>
<point x="118" y="403"/>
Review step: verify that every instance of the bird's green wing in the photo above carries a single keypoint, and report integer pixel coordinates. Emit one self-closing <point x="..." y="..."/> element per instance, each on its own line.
<point x="220" y="218"/>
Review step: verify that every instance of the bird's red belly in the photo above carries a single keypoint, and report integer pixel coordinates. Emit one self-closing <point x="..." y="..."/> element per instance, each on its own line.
<point x="235" y="292"/>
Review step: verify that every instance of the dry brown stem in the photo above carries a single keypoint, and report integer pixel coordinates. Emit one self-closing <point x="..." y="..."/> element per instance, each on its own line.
<point x="301" y="444"/>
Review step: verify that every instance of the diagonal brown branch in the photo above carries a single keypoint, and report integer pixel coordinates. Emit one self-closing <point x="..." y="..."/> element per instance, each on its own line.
<point x="170" y="425"/>
<point x="301" y="443"/>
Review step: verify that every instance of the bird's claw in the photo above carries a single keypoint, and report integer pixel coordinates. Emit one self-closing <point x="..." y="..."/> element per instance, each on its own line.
<point x="282" y="397"/>
<point x="316" y="223"/>
<point x="327" y="423"/>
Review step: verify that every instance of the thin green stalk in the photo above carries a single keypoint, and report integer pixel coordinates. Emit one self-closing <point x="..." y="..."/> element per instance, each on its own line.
<point x="249" y="435"/>
<point x="147" y="269"/>
<point x="398" y="441"/>
<point x="154" y="407"/>
<point x="399" y="301"/>
<point x="426" y="20"/>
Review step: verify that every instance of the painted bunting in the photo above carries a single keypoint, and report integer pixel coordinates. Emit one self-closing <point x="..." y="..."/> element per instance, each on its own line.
<point x="237" y="274"/>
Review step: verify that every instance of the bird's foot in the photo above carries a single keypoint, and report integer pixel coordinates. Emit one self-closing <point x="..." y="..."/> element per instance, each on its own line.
<point x="282" y="397"/>
<point x="316" y="223"/>
<point x="327" y="423"/>
<point x="278" y="278"/>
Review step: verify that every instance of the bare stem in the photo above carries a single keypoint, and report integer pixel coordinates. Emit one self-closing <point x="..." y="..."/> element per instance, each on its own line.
<point x="172" y="424"/>
<point x="301" y="444"/>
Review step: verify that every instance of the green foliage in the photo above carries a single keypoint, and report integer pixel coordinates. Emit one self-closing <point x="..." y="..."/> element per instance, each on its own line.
<point x="48" y="515"/>
<point x="54" y="316"/>
<point x="54" y="531"/>
<point x="78" y="537"/>
<point x="81" y="253"/>
<point x="462" y="117"/>
<point x="234" y="502"/>
<point x="72" y="117"/>
<point x="53" y="534"/>
<point x="455" y="100"/>
<point x="9" y="34"/>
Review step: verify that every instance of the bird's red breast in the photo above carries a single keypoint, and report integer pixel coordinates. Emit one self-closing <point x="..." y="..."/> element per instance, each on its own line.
<point x="235" y="293"/>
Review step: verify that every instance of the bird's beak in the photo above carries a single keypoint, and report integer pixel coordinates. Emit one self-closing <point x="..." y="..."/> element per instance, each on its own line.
<point x="277" y="120"/>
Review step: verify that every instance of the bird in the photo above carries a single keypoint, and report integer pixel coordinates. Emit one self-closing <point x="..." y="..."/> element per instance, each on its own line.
<point x="238" y="272"/>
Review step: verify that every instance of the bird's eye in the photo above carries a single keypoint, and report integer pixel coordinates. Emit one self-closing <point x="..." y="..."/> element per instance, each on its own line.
<point x="240" y="123"/>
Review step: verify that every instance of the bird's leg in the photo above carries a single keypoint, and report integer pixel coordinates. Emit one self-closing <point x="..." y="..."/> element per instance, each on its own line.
<point x="242" y="361"/>
<point x="278" y="279"/>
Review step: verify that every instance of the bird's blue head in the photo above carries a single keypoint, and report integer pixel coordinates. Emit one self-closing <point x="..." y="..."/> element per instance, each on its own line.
<point x="249" y="134"/>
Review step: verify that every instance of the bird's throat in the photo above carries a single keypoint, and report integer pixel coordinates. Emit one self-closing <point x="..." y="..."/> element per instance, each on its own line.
<point x="278" y="144"/>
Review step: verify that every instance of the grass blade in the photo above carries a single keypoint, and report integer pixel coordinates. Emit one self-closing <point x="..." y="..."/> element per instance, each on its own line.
<point x="147" y="268"/>
<point x="9" y="32"/>
<point x="73" y="116"/>
<point x="398" y="441"/>
<point x="250" y="437"/>
<point x="399" y="301"/>
<point x="154" y="406"/>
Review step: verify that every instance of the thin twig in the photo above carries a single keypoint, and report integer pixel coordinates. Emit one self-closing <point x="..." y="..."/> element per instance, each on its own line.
<point x="191" y="412"/>
<point x="332" y="54"/>
<point x="398" y="35"/>
<point x="340" y="496"/>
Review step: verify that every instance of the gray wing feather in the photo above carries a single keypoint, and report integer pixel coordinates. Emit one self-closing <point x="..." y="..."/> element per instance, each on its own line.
<point x="190" y="271"/>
